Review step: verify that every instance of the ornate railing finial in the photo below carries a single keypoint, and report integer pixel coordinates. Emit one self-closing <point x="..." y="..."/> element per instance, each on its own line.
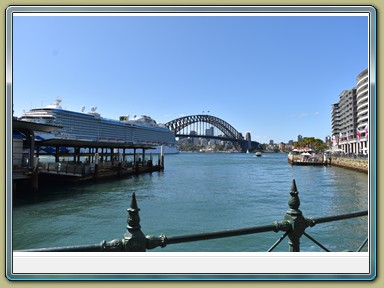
<point x="294" y="201"/>
<point x="134" y="239"/>
<point x="296" y="219"/>
<point x="134" y="217"/>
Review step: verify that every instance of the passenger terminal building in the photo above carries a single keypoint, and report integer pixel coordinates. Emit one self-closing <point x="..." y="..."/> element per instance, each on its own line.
<point x="350" y="118"/>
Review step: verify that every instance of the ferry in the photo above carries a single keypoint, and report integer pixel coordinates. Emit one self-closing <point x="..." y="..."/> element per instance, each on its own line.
<point x="90" y="126"/>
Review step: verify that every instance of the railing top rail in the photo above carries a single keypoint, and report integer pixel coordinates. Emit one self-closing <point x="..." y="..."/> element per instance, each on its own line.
<point x="340" y="217"/>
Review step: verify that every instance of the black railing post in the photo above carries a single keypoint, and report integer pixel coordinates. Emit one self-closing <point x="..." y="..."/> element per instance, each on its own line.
<point x="296" y="219"/>
<point x="134" y="239"/>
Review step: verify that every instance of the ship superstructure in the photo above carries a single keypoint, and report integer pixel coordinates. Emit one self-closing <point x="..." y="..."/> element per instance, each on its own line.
<point x="90" y="126"/>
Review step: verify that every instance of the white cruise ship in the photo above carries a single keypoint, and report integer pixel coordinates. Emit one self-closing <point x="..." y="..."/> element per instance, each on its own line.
<point x="92" y="127"/>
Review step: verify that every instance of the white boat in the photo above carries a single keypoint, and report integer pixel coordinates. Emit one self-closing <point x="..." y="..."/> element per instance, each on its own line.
<point x="90" y="126"/>
<point x="258" y="153"/>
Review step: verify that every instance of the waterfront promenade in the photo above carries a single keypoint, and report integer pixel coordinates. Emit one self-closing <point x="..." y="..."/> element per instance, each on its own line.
<point x="357" y="164"/>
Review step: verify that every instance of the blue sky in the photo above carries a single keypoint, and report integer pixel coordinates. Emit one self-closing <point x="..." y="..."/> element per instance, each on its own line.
<point x="273" y="76"/>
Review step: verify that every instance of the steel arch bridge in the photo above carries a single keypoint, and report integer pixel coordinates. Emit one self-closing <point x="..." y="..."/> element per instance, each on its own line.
<point x="230" y="133"/>
<point x="180" y="123"/>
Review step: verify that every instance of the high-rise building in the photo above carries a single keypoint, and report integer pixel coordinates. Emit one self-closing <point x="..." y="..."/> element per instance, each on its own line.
<point x="347" y="110"/>
<point x="362" y="103"/>
<point x="209" y="131"/>
<point x="248" y="136"/>
<point x="299" y="138"/>
<point x="335" y="120"/>
<point x="350" y="118"/>
<point x="194" y="139"/>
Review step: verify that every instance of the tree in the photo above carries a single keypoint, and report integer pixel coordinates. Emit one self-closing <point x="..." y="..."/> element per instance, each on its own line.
<point x="315" y="144"/>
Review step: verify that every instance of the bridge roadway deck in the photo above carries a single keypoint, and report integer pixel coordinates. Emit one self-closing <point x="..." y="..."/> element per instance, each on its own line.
<point x="244" y="144"/>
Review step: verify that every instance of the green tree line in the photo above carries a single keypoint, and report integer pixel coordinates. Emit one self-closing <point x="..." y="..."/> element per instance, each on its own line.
<point x="315" y="144"/>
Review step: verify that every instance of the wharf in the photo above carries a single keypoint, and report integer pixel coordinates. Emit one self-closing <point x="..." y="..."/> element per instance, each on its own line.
<point x="43" y="162"/>
<point x="45" y="174"/>
<point x="75" y="173"/>
<point x="355" y="164"/>
<point x="306" y="161"/>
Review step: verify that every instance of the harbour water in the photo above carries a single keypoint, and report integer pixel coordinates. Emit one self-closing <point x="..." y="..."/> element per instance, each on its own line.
<point x="200" y="192"/>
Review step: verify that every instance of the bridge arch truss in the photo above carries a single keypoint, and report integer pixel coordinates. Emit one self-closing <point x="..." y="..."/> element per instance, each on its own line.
<point x="229" y="131"/>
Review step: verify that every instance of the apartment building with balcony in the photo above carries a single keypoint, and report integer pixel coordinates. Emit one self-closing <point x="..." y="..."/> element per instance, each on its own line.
<point x="335" y="121"/>
<point x="350" y="118"/>
<point x="362" y="100"/>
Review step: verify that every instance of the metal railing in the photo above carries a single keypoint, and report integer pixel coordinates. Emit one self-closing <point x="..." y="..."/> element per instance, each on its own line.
<point x="293" y="225"/>
<point x="65" y="168"/>
<point x="81" y="169"/>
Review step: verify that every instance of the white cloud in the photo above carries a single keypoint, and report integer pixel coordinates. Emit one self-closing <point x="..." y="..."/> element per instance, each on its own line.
<point x="302" y="115"/>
